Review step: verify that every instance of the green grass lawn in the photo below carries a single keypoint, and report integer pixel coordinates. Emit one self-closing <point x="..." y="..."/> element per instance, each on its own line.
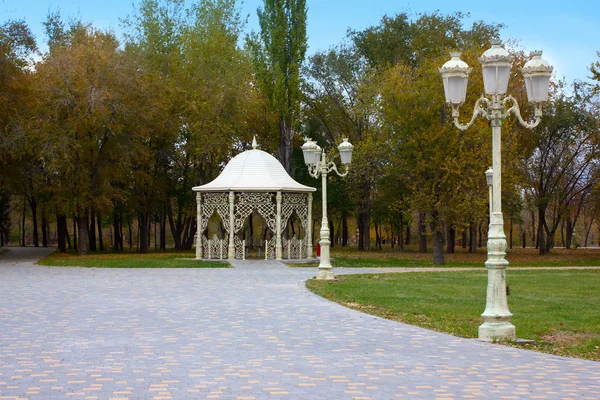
<point x="517" y="257"/>
<point x="559" y="309"/>
<point x="130" y="260"/>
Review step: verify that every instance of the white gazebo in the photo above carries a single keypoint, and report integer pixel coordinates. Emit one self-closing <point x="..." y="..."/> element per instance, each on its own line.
<point x="253" y="181"/>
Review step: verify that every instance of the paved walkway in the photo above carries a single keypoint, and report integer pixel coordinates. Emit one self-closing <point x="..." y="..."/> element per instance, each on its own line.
<point x="252" y="331"/>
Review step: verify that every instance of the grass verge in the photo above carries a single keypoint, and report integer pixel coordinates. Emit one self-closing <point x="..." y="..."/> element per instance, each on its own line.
<point x="352" y="258"/>
<point x="558" y="309"/>
<point x="130" y="260"/>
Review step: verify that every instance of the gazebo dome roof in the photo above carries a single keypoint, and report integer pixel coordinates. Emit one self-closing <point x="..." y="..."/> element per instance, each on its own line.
<point x="253" y="171"/>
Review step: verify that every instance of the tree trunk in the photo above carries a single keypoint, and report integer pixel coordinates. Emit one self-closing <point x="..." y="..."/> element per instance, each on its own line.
<point x="587" y="232"/>
<point x="67" y="234"/>
<point x="92" y="231"/>
<point x="480" y="232"/>
<point x="511" y="233"/>
<point x="364" y="239"/>
<point x="44" y="229"/>
<point x="472" y="237"/>
<point x="130" y="232"/>
<point x="438" y="247"/>
<point x="400" y="236"/>
<point x="250" y="231"/>
<point x="407" y="239"/>
<point x="23" y="223"/>
<point x="61" y="227"/>
<point x="284" y="151"/>
<point x="524" y="239"/>
<point x="82" y="225"/>
<point x="534" y="233"/>
<point x="175" y="229"/>
<point x="143" y="229"/>
<point x="117" y="233"/>
<point x="464" y="239"/>
<point x="163" y="231"/>
<point x="344" y="229"/>
<point x="451" y="240"/>
<point x="100" y="240"/>
<point x="33" y="206"/>
<point x="331" y="234"/>
<point x="422" y="234"/>
<point x="189" y="241"/>
<point x="540" y="234"/>
<point x="75" y="233"/>
<point x="569" y="232"/>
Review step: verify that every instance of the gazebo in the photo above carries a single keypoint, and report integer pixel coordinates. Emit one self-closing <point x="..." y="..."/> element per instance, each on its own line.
<point x="253" y="181"/>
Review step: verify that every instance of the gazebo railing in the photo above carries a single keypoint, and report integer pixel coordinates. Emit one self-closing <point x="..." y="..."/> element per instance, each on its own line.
<point x="294" y="248"/>
<point x="270" y="248"/>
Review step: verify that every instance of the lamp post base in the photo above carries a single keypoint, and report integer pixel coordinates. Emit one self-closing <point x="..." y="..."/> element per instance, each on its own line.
<point x="495" y="331"/>
<point x="325" y="274"/>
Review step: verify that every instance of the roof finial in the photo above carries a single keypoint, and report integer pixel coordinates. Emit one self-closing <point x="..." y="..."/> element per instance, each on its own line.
<point x="254" y="144"/>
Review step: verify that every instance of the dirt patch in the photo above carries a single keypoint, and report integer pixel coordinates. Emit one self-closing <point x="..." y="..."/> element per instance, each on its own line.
<point x="358" y="306"/>
<point x="564" y="338"/>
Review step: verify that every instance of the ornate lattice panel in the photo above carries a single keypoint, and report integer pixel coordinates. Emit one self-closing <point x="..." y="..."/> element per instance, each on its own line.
<point x="204" y="246"/>
<point x="297" y="202"/>
<point x="261" y="202"/>
<point x="270" y="248"/>
<point x="212" y="202"/>
<point x="217" y="248"/>
<point x="240" y="248"/>
<point x="294" y="248"/>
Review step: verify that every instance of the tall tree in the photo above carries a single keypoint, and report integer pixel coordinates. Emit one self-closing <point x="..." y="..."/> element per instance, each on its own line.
<point x="560" y="161"/>
<point x="278" y="53"/>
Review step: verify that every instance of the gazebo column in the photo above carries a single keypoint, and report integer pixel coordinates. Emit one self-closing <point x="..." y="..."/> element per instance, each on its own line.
<point x="309" y="249"/>
<point x="199" y="229"/>
<point x="231" y="252"/>
<point x="278" y="243"/>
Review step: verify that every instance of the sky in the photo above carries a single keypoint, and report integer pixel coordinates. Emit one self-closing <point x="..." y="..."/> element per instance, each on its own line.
<point x="567" y="31"/>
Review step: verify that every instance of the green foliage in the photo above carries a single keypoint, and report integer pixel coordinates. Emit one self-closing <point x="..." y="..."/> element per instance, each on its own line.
<point x="160" y="260"/>
<point x="277" y="54"/>
<point x="595" y="70"/>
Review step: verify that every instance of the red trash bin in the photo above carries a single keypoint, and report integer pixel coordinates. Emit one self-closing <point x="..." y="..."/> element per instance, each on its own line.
<point x="318" y="249"/>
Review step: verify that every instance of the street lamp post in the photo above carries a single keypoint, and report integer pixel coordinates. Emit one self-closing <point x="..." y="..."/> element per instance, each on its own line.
<point x="496" y="65"/>
<point x="316" y="160"/>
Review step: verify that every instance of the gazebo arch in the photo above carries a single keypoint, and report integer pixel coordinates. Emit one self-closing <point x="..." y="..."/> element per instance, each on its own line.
<point x="254" y="181"/>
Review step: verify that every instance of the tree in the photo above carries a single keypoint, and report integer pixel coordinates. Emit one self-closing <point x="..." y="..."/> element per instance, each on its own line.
<point x="20" y="166"/>
<point x="278" y="53"/>
<point x="340" y="103"/>
<point x="83" y="90"/>
<point x="560" y="162"/>
<point x="595" y="70"/>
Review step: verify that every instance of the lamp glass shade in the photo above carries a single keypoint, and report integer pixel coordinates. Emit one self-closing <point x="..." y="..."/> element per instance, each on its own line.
<point x="309" y="150"/>
<point x="495" y="64"/>
<point x="345" y="149"/>
<point x="317" y="154"/>
<point x="455" y="76"/>
<point x="537" y="88"/>
<point x="489" y="176"/>
<point x="455" y="89"/>
<point x="537" y="73"/>
<point x="495" y="78"/>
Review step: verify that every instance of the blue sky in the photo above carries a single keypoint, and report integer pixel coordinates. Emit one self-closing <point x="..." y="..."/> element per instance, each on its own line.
<point x="567" y="31"/>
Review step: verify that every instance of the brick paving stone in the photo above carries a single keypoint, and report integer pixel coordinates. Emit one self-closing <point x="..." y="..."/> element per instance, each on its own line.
<point x="249" y="332"/>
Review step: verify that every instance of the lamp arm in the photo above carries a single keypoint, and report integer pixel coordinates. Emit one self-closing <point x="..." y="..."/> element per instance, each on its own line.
<point x="314" y="170"/>
<point x="332" y="167"/>
<point x="514" y="109"/>
<point x="478" y="109"/>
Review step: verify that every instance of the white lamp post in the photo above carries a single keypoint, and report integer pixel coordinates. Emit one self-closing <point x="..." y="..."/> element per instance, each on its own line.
<point x="318" y="166"/>
<point x="496" y="64"/>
